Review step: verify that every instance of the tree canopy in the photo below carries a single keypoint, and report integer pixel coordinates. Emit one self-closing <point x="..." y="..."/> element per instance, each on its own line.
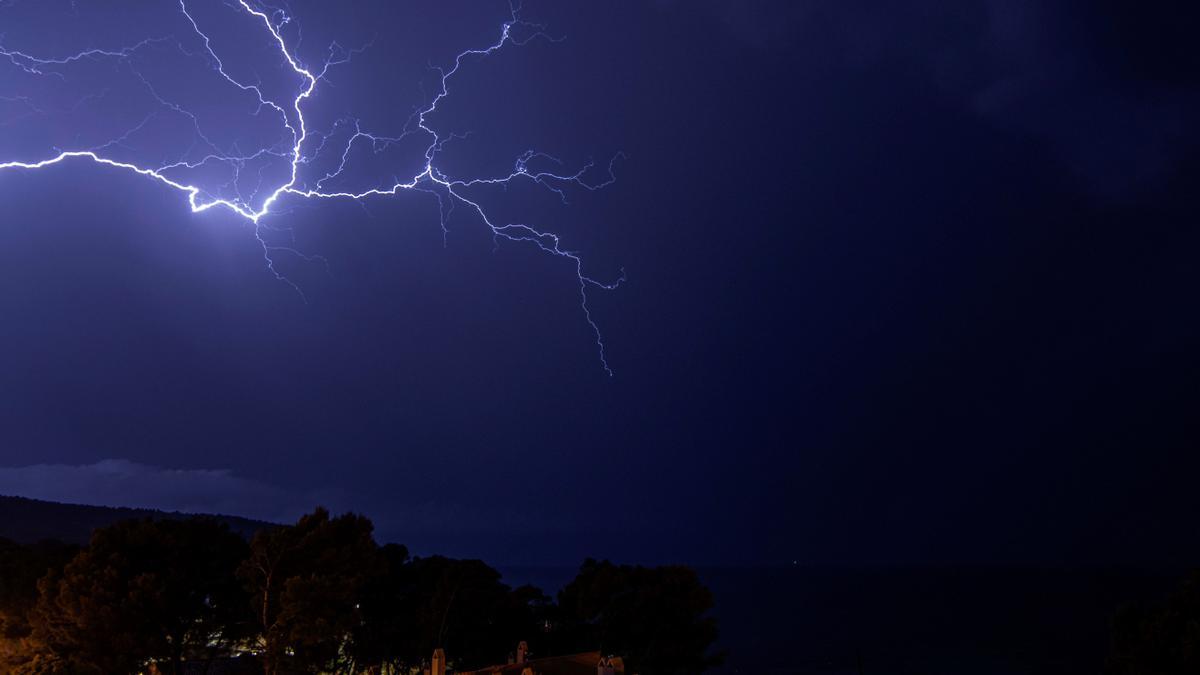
<point x="1159" y="640"/>
<point x="320" y="596"/>
<point x="20" y="568"/>
<point x="656" y="617"/>
<point x="141" y="591"/>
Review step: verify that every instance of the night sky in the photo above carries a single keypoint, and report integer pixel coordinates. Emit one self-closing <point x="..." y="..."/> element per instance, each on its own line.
<point x="906" y="283"/>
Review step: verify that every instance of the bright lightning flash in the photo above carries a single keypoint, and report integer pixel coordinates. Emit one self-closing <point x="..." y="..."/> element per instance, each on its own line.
<point x="303" y="146"/>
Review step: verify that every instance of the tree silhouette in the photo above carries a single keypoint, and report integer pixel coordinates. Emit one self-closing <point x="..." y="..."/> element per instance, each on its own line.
<point x="1161" y="640"/>
<point x="420" y="604"/>
<point x="141" y="591"/>
<point x="20" y="568"/>
<point x="387" y="636"/>
<point x="321" y="597"/>
<point x="656" y="618"/>
<point x="308" y="582"/>
<point x="463" y="607"/>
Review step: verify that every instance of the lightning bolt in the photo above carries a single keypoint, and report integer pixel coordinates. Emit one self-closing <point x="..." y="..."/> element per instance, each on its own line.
<point x="303" y="146"/>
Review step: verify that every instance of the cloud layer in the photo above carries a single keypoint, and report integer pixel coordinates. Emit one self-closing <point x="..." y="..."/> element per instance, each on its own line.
<point x="120" y="482"/>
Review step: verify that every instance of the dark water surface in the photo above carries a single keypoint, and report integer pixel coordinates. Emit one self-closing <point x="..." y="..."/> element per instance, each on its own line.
<point x="911" y="621"/>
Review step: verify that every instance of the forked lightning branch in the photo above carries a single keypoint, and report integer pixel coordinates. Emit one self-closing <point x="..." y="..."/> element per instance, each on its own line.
<point x="304" y="145"/>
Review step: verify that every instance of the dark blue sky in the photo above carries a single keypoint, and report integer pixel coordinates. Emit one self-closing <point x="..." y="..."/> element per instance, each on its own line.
<point x="905" y="284"/>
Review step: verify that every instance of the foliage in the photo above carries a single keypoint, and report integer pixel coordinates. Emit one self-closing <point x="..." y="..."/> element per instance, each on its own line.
<point x="308" y="582"/>
<point x="20" y="569"/>
<point x="320" y="596"/>
<point x="655" y="617"/>
<point x="420" y="604"/>
<point x="1159" y="640"/>
<point x="141" y="591"/>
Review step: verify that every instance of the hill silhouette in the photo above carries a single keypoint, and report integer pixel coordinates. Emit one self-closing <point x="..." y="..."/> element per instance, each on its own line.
<point x="26" y="520"/>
